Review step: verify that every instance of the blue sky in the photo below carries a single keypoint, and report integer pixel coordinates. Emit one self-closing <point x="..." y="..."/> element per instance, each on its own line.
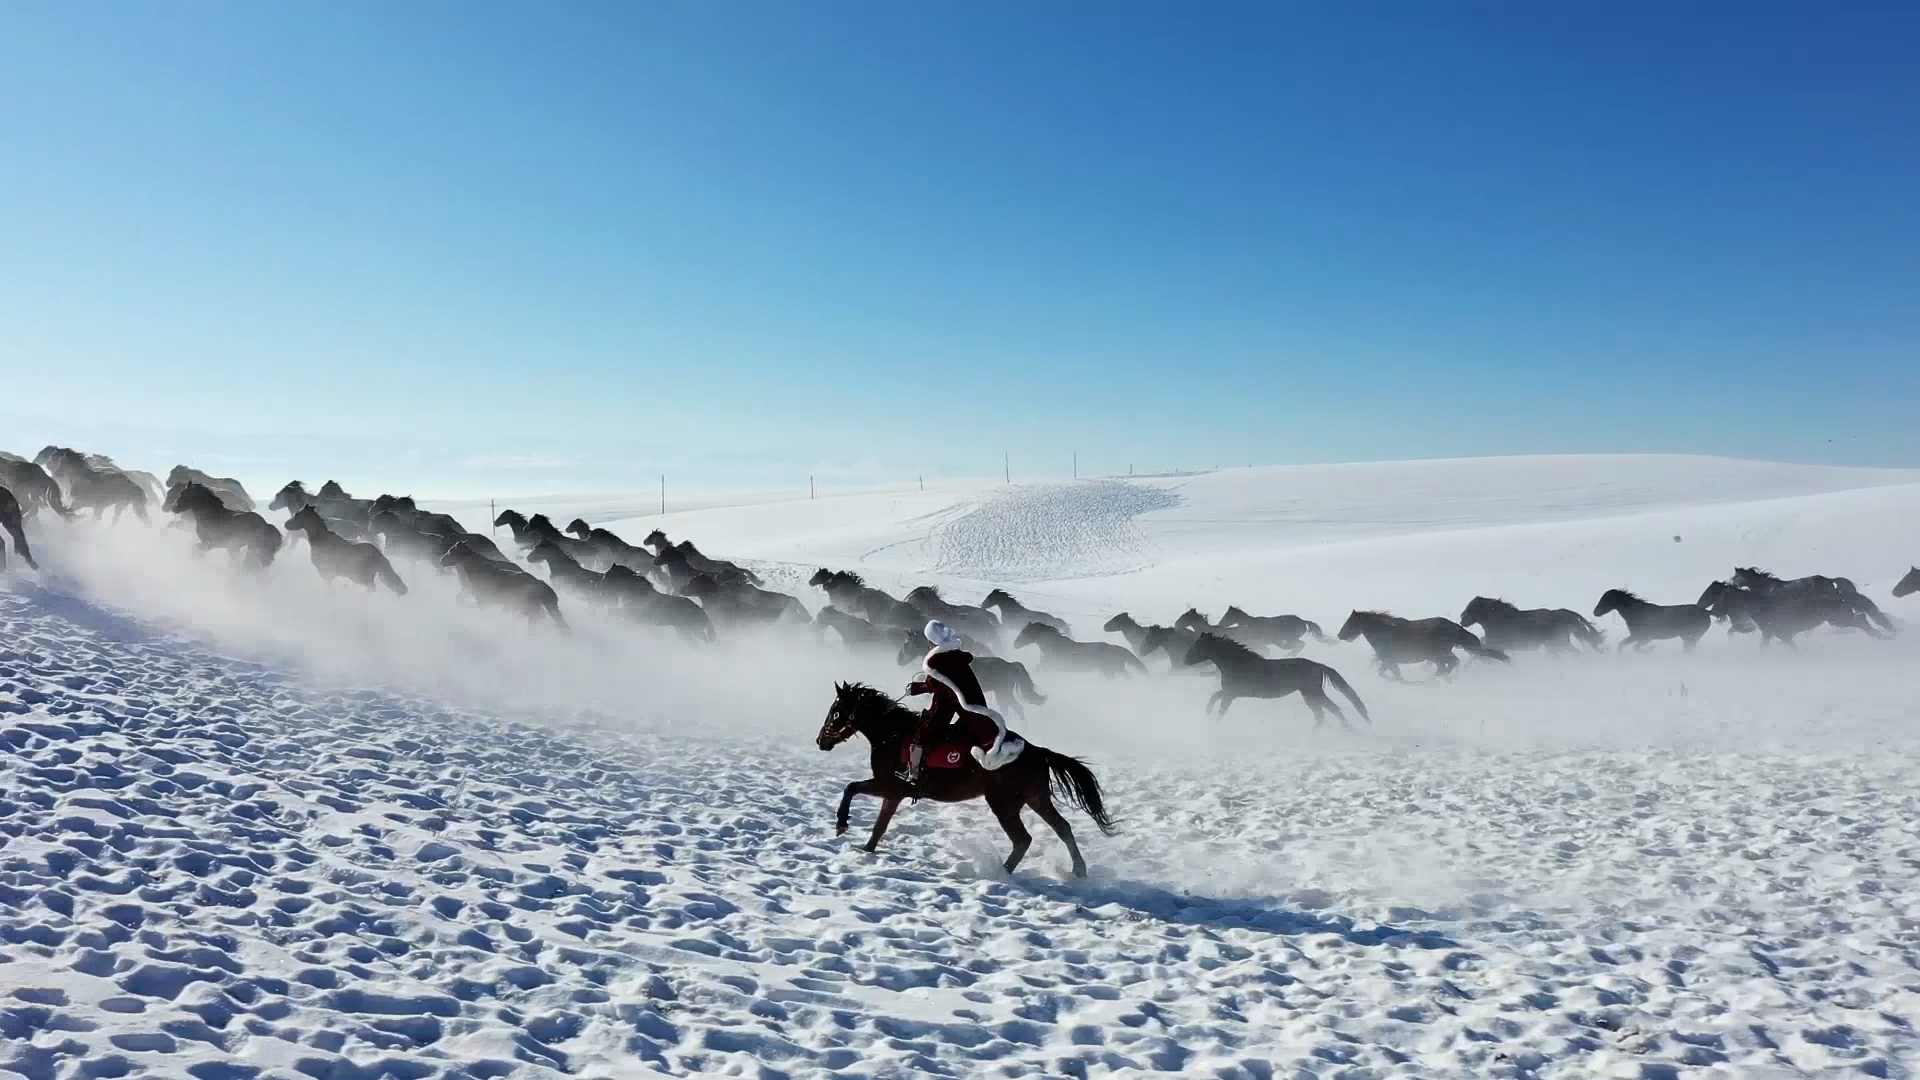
<point x="473" y="247"/>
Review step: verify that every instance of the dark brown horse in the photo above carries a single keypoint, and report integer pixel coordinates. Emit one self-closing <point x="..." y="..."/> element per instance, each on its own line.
<point x="1397" y="641"/>
<point x="1028" y="781"/>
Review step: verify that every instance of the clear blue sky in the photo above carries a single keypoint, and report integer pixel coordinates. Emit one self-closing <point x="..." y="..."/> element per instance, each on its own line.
<point x="465" y="247"/>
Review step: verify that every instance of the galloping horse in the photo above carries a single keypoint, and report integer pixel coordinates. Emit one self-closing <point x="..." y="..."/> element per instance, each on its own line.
<point x="10" y="519"/>
<point x="1648" y="622"/>
<point x="1399" y="641"/>
<point x="1508" y="627"/>
<point x="1245" y="673"/>
<point x="1027" y="781"/>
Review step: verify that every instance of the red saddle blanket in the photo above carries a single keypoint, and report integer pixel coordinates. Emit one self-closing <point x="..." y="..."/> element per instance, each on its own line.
<point x="938" y="757"/>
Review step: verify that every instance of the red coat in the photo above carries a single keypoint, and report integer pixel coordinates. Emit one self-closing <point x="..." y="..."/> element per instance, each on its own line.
<point x="956" y="668"/>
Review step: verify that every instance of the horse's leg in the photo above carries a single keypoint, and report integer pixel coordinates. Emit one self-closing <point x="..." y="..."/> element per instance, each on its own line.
<point x="858" y="787"/>
<point x="1226" y="700"/>
<point x="1695" y="640"/>
<point x="1042" y="805"/>
<point x="1321" y="704"/>
<point x="1625" y="641"/>
<point x="1007" y="809"/>
<point x="1215" y="700"/>
<point x="888" y="804"/>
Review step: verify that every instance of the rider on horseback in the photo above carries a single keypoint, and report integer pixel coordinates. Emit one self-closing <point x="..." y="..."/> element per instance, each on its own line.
<point x="947" y="674"/>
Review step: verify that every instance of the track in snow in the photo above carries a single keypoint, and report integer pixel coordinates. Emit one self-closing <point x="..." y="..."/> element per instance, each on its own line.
<point x="1050" y="531"/>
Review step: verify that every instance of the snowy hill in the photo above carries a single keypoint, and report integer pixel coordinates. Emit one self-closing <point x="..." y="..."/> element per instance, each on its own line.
<point x="250" y="826"/>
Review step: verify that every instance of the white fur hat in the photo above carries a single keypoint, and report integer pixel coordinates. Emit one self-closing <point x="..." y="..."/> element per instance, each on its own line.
<point x="940" y="634"/>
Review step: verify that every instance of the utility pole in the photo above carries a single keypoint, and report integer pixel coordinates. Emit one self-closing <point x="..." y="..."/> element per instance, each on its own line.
<point x="663" y="494"/>
<point x="493" y="519"/>
<point x="923" y="483"/>
<point x="1006" y="466"/>
<point x="1076" y="464"/>
<point x="810" y="487"/>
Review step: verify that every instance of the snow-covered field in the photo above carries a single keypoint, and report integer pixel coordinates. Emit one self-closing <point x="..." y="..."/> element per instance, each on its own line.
<point x="254" y="827"/>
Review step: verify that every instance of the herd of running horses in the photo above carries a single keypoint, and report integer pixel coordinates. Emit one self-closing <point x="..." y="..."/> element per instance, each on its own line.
<point x="699" y="597"/>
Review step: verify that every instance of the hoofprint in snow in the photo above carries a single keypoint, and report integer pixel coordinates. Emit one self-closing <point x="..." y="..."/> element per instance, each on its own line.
<point x="222" y="856"/>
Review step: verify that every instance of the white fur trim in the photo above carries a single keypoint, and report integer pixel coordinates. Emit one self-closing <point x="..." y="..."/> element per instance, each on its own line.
<point x="1004" y="751"/>
<point x="987" y="711"/>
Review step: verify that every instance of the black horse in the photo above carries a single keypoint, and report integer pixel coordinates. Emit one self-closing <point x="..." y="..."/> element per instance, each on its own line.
<point x="857" y="633"/>
<point x="227" y="488"/>
<point x="1014" y="615"/>
<point x="1814" y="585"/>
<point x="570" y="576"/>
<point x="722" y="570"/>
<point x="1284" y="632"/>
<point x="1648" y="622"/>
<point x="1007" y="680"/>
<point x="243" y="533"/>
<point x="32" y="486"/>
<point x="1060" y="652"/>
<point x="1028" y="781"/>
<point x="616" y="551"/>
<point x="345" y="516"/>
<point x="1245" y="673"/>
<point x="11" y="523"/>
<point x="1397" y="641"/>
<point x="741" y="603"/>
<point x="639" y="601"/>
<point x="337" y="557"/>
<point x="487" y="582"/>
<point x="94" y="488"/>
<point x="848" y="592"/>
<point x="1511" y="629"/>
<point x="979" y="622"/>
<point x="1909" y="584"/>
<point x="1780" y="614"/>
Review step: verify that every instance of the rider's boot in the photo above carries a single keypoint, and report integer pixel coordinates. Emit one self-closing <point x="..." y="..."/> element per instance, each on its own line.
<point x="915" y="755"/>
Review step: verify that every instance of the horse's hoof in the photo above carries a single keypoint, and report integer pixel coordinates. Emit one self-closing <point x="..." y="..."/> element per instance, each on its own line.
<point x="839" y="830"/>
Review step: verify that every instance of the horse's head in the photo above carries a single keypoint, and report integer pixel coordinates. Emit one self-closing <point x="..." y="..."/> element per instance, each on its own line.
<point x="1031" y="633"/>
<point x="999" y="598"/>
<point x="580" y="528"/>
<point x="307" y="519"/>
<point x="1193" y="620"/>
<point x="292" y="493"/>
<point x="1909" y="584"/>
<point x="1613" y="600"/>
<point x="854" y="705"/>
<point x="387" y="504"/>
<point x="1120" y="622"/>
<point x="458" y="552"/>
<point x="543" y="525"/>
<point x="512" y="519"/>
<point x="180" y="474"/>
<point x="657" y="539"/>
<point x="332" y="490"/>
<point x="1234" y="616"/>
<point x="1356" y="624"/>
<point x="543" y="552"/>
<point x="188" y="498"/>
<point x="1477" y="609"/>
<point x="912" y="647"/>
<point x="821" y="578"/>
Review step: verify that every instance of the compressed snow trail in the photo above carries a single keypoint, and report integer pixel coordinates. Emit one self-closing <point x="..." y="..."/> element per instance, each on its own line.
<point x="1049" y="531"/>
<point x="211" y="869"/>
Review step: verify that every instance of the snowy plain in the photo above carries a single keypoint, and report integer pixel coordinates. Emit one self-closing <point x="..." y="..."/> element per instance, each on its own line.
<point x="251" y="826"/>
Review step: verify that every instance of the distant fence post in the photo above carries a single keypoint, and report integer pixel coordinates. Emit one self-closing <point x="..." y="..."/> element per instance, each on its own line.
<point x="493" y="519"/>
<point x="1006" y="466"/>
<point x="663" y="494"/>
<point x="1076" y="464"/>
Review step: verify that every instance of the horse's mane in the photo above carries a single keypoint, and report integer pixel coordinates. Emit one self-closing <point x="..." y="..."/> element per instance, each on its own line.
<point x="925" y="592"/>
<point x="332" y="489"/>
<point x="1763" y="575"/>
<point x="845" y="577"/>
<point x="1231" y="646"/>
<point x="1627" y="594"/>
<point x="1496" y="603"/>
<point x="1002" y="594"/>
<point x="859" y="693"/>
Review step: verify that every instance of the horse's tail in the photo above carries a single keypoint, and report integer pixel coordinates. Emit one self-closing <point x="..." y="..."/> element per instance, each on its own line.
<point x="1314" y="629"/>
<point x="55" y="503"/>
<point x="1865" y="607"/>
<point x="1340" y="683"/>
<point x="1587" y="632"/>
<point x="1080" y="787"/>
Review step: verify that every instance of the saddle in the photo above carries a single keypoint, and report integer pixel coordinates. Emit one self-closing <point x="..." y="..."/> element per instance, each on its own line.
<point x="951" y="756"/>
